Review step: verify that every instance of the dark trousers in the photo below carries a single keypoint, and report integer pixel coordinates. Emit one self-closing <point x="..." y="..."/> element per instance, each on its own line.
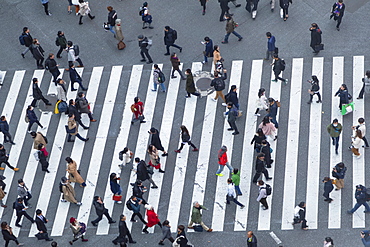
<point x="78" y="136"/>
<point x="61" y="48"/>
<point x="146" y="227"/>
<point x="180" y="72"/>
<point x="123" y="240"/>
<point x="80" y="123"/>
<point x="90" y="116"/>
<point x="258" y="174"/>
<point x="8" y="164"/>
<point x="174" y="45"/>
<point x="39" y="63"/>
<point x="34" y="101"/>
<point x="70" y="63"/>
<point x="55" y="74"/>
<point x="223" y="12"/>
<point x="100" y="217"/>
<point x="248" y="7"/>
<point x="365" y="140"/>
<point x="339" y="21"/>
<point x="204" y="7"/>
<point x="44" y="166"/>
<point x="297" y="221"/>
<point x="285" y="12"/>
<point x="146" y="53"/>
<point x="195" y="93"/>
<point x="7" y="242"/>
<point x="189" y="142"/>
<point x="27" y="198"/>
<point x="326" y="195"/>
<point x="7" y="137"/>
<point x="234" y="200"/>
<point x="336" y="142"/>
<point x="140" y="217"/>
<point x="318" y="95"/>
<point x="277" y="73"/>
<point x="23" y="213"/>
<point x="264" y="203"/>
<point x="31" y="123"/>
<point x="80" y="83"/>
<point x="91" y="17"/>
<point x="233" y="125"/>
<point x="46" y="8"/>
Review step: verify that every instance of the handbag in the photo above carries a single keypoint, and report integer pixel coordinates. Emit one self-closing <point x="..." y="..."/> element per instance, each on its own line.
<point x="117" y="197"/>
<point x="198" y="228"/>
<point x="121" y="45"/>
<point x="150" y="170"/>
<point x="69" y="131"/>
<point x="26" y="119"/>
<point x="41" y="236"/>
<point x="106" y="26"/>
<point x="319" y="47"/>
<point x="83" y="227"/>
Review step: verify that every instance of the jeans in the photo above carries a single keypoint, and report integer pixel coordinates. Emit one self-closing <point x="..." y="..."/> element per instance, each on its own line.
<point x="358" y="204"/>
<point x="174" y="45"/>
<point x="233" y="126"/>
<point x="238" y="191"/>
<point x="336" y="142"/>
<point x="80" y="83"/>
<point x="228" y="34"/>
<point x="7" y="137"/>
<point x="111" y="29"/>
<point x="77" y="135"/>
<point x="269" y="54"/>
<point x="273" y="120"/>
<point x="26" y="50"/>
<point x="163" y="87"/>
<point x="221" y="168"/>
<point x="205" y="59"/>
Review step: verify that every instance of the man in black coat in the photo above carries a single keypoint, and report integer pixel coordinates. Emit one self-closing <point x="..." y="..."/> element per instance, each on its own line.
<point x="273" y="108"/>
<point x="40" y="223"/>
<point x="37" y="94"/>
<point x="144" y="49"/>
<point x="170" y="37"/>
<point x="4" y="127"/>
<point x="315" y="37"/>
<point x="224" y="8"/>
<point x="232" y="97"/>
<point x="8" y="235"/>
<point x="278" y="66"/>
<point x="156" y="141"/>
<point x="73" y="110"/>
<point x="20" y="210"/>
<point x="100" y="211"/>
<point x="75" y="77"/>
<point x="52" y="66"/>
<point x="61" y="41"/>
<point x="142" y="172"/>
<point x="260" y="168"/>
<point x="265" y="149"/>
<point x="27" y="39"/>
<point x="123" y="232"/>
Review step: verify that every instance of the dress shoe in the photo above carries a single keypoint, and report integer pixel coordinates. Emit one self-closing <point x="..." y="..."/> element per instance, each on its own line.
<point x="49" y="239"/>
<point x="22" y="55"/>
<point x="142" y="60"/>
<point x="166" y="54"/>
<point x="112" y="222"/>
<point x="93" y="120"/>
<point x="87" y="139"/>
<point x="93" y="223"/>
<point x="18" y="225"/>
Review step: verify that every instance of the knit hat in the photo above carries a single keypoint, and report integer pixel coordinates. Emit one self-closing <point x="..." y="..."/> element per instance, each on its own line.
<point x="72" y="220"/>
<point x="64" y="179"/>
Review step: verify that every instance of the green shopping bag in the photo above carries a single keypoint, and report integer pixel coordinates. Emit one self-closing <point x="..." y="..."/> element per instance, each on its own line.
<point x="347" y="108"/>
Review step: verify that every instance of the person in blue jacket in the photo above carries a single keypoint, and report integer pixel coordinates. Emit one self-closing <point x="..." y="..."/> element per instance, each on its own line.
<point x="114" y="185"/>
<point x="270" y="46"/>
<point x="360" y="195"/>
<point x="4" y="127"/>
<point x="365" y="238"/>
<point x="208" y="52"/>
<point x="32" y="118"/>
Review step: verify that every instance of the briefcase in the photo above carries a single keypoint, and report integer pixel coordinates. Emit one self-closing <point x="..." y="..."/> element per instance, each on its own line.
<point x="198" y="228"/>
<point x="41" y="236"/>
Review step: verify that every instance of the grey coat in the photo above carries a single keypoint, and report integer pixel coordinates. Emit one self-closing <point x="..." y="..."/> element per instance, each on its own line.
<point x="83" y="105"/>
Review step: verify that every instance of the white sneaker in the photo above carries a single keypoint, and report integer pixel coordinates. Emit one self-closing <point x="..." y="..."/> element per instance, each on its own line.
<point x="79" y="203"/>
<point x="214" y="100"/>
<point x="203" y="62"/>
<point x="254" y="14"/>
<point x="224" y="104"/>
<point x="257" y="115"/>
<point x="63" y="200"/>
<point x="281" y="13"/>
<point x="119" y="202"/>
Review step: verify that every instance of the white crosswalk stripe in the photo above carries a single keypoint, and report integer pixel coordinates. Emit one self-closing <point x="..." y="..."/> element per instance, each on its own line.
<point x="106" y="89"/>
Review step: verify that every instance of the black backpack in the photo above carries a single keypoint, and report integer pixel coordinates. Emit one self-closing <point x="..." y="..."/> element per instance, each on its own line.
<point x="220" y="84"/>
<point x="282" y="64"/>
<point x="268" y="189"/>
<point x="77" y="103"/>
<point x="315" y="87"/>
<point x="129" y="205"/>
<point x="120" y="155"/>
<point x="174" y="34"/>
<point x="57" y="42"/>
<point x="161" y="77"/>
<point x="76" y="48"/>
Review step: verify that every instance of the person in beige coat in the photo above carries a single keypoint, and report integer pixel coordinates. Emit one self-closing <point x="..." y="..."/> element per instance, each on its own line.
<point x="216" y="54"/>
<point x="69" y="194"/>
<point x="84" y="10"/>
<point x="73" y="174"/>
<point x="73" y="127"/>
<point x="37" y="139"/>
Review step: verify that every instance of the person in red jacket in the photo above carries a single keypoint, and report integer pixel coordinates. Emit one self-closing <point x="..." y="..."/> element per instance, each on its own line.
<point x="138" y="109"/>
<point x="222" y="161"/>
<point x="152" y="218"/>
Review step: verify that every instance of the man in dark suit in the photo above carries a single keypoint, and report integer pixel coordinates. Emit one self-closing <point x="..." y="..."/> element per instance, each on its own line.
<point x="27" y="39"/>
<point x="73" y="110"/>
<point x="40" y="222"/>
<point x="37" y="94"/>
<point x="100" y="211"/>
<point x="20" y="211"/>
<point x="75" y="77"/>
<point x="123" y="232"/>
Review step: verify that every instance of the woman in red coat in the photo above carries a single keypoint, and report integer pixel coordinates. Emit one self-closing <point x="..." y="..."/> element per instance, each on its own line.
<point x="152" y="218"/>
<point x="138" y="109"/>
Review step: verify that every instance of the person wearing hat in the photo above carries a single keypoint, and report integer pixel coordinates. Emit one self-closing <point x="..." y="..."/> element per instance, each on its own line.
<point x="100" y="211"/>
<point x="261" y="168"/>
<point x="152" y="218"/>
<point x="4" y="157"/>
<point x="144" y="49"/>
<point x="361" y="198"/>
<point x="23" y="192"/>
<point x="222" y="161"/>
<point x="20" y="210"/>
<point x="78" y="230"/>
<point x="300" y="215"/>
<point x="146" y="17"/>
<point x="40" y="223"/>
<point x="69" y="194"/>
<point x="37" y="94"/>
<point x="8" y="235"/>
<point x="196" y="217"/>
<point x="170" y="37"/>
<point x="2" y="191"/>
<point x="123" y="232"/>
<point x="4" y="128"/>
<point x="156" y="141"/>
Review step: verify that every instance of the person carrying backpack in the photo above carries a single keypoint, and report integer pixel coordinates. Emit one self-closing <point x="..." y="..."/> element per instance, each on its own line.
<point x="73" y="54"/>
<point x="361" y="198"/>
<point x="146" y="17"/>
<point x="278" y="66"/>
<point x="314" y="89"/>
<point x="264" y="191"/>
<point x="134" y="205"/>
<point x="219" y="84"/>
<point x="26" y="40"/>
<point x="158" y="78"/>
<point x="170" y="36"/>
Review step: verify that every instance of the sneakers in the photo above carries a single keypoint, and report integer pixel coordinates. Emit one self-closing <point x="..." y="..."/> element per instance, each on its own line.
<point x="242" y="207"/>
<point x="203" y="62"/>
<point x="274" y="80"/>
<point x="79" y="203"/>
<point x="153" y="187"/>
<point x="119" y="202"/>
<point x="224" y="104"/>
<point x="286" y="81"/>
<point x="235" y="133"/>
<point x="133" y="221"/>
<point x="219" y="174"/>
<point x="63" y="200"/>
<point x="214" y="100"/>
<point x="145" y="232"/>
<point x="257" y="115"/>
<point x="230" y="129"/>
<point x="93" y="223"/>
<point x="177" y="151"/>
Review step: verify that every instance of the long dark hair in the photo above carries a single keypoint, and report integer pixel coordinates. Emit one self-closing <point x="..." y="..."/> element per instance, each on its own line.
<point x="260" y="92"/>
<point x="265" y="120"/>
<point x="150" y="149"/>
<point x="314" y="78"/>
<point x="112" y="177"/>
<point x="184" y="129"/>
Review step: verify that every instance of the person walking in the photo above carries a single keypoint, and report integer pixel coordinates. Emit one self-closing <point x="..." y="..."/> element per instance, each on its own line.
<point x="152" y="218"/>
<point x="231" y="195"/>
<point x="135" y="208"/>
<point x="230" y="29"/>
<point x="362" y="127"/>
<point x="142" y="172"/>
<point x="224" y="5"/>
<point x="24" y="193"/>
<point x="339" y="172"/>
<point x="73" y="52"/>
<point x="272" y="111"/>
<point x="138" y="109"/>
<point x="42" y="154"/>
<point x="73" y="129"/>
<point x="236" y="181"/>
<point x="4" y="157"/>
<point x="338" y="12"/>
<point x="261" y="168"/>
<point x="61" y="41"/>
<point x="232" y="96"/>
<point x="125" y="156"/>
<point x="335" y="129"/>
<point x="365" y="238"/>
<point x="78" y="230"/>
<point x="270" y="46"/>
<point x="315" y="37"/>
<point x="266" y="150"/>
<point x="232" y="114"/>
<point x="278" y="66"/>
<point x="4" y="128"/>
<point x="216" y="55"/>
<point x="52" y="66"/>
<point x="251" y="239"/>
<point x="123" y="232"/>
<point x="314" y="90"/>
<point x="328" y="242"/>
<point x="146" y="17"/>
<point x="203" y="3"/>
<point x="20" y="210"/>
<point x="112" y="17"/>
<point x="257" y="140"/>
<point x="343" y="95"/>
<point x="37" y="94"/>
<point x="328" y="187"/>
<point x="251" y="7"/>
<point x="83" y="106"/>
<point x="175" y="61"/>
<point x="190" y="86"/>
<point x="2" y="191"/>
<point x="170" y="36"/>
<point x="366" y="85"/>
<point x="8" y="235"/>
<point x="26" y="40"/>
<point x="75" y="77"/>
<point x="38" y="53"/>
<point x="181" y="239"/>
<point x="300" y="215"/>
<point x="61" y="90"/>
<point x="166" y="232"/>
<point x="40" y="223"/>
<point x="115" y="187"/>
<point x="72" y="109"/>
<point x="196" y="217"/>
<point x="208" y="46"/>
<point x="185" y="138"/>
<point x="360" y="195"/>
<point x="144" y="49"/>
<point x="69" y="194"/>
<point x="262" y="195"/>
<point x="73" y="174"/>
<point x="223" y="161"/>
<point x="84" y="10"/>
<point x="219" y="84"/>
<point x="45" y="3"/>
<point x="356" y="143"/>
<point x="268" y="128"/>
<point x="284" y="5"/>
<point x="261" y="102"/>
<point x="100" y="211"/>
<point x="158" y="79"/>
<point x="156" y="141"/>
<point x="138" y="190"/>
<point x="154" y="158"/>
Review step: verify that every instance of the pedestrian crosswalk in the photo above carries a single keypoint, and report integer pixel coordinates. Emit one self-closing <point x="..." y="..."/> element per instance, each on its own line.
<point x="302" y="154"/>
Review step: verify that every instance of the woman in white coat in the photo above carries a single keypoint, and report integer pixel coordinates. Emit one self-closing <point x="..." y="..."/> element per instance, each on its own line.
<point x="261" y="102"/>
<point x="356" y="144"/>
<point x="84" y="10"/>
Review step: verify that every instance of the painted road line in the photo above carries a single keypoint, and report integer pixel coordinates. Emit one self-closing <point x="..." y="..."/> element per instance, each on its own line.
<point x="14" y="90"/>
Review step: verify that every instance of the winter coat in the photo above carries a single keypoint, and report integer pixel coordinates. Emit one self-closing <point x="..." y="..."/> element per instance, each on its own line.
<point x="61" y="94"/>
<point x="252" y="242"/>
<point x="232" y="97"/>
<point x="84" y="9"/>
<point x="3" y="155"/>
<point x="343" y="96"/>
<point x="156" y="73"/>
<point x="315" y="36"/>
<point x="356" y="142"/>
<point x="142" y="171"/>
<point x="175" y="63"/>
<point x="7" y="236"/>
<point x="27" y="38"/>
<point x="181" y="239"/>
<point x="271" y="43"/>
<point x="338" y="10"/>
<point x="73" y="174"/>
<point x="185" y="137"/>
<point x="135" y="205"/>
<point x="112" y="17"/>
<point x="222" y="158"/>
<point x="72" y="125"/>
<point x="360" y="195"/>
<point x="169" y="38"/>
<point x="143" y="44"/>
<point x="153" y="158"/>
<point x="74" y="76"/>
<point x="137" y="190"/>
<point x="51" y="65"/>
<point x="273" y="110"/>
<point x="156" y="141"/>
<point x="216" y="56"/>
<point x="83" y="104"/>
<point x="69" y="193"/>
<point x="190" y="86"/>
<point x="196" y="215"/>
<point x="208" y="49"/>
<point x="236" y="178"/>
<point x="72" y="109"/>
<point x="328" y="187"/>
<point x="22" y="191"/>
<point x="71" y="54"/>
<point x="152" y="218"/>
<point x="115" y="187"/>
<point x="257" y="140"/>
<point x="231" y="114"/>
<point x="340" y="172"/>
<point x="214" y="82"/>
<point x="37" y="52"/>
<point x="284" y="4"/>
<point x="62" y="41"/>
<point x="40" y="223"/>
<point x="31" y="116"/>
<point x="99" y="208"/>
<point x="36" y="91"/>
<point x="39" y="139"/>
<point x="260" y="165"/>
<point x="334" y="131"/>
<point x="278" y="66"/>
<point x="230" y="25"/>
<point x="262" y="102"/>
<point x="4" y="126"/>
<point x="268" y="129"/>
<point x="265" y="149"/>
<point x="166" y="232"/>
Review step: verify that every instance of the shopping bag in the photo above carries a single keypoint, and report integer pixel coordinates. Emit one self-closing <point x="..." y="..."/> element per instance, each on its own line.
<point x="117" y="197"/>
<point x="347" y="108"/>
